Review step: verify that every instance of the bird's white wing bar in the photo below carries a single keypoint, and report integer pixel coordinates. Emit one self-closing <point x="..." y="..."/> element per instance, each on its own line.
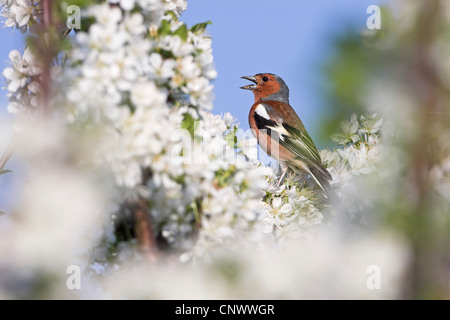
<point x="270" y="120"/>
<point x="261" y="111"/>
<point x="280" y="130"/>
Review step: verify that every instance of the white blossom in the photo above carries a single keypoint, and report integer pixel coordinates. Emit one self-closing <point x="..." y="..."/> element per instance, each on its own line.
<point x="145" y="94"/>
<point x="19" y="13"/>
<point x="20" y="71"/>
<point x="163" y="69"/>
<point x="177" y="6"/>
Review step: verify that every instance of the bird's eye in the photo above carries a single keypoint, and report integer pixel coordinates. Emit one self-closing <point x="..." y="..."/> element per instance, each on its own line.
<point x="265" y="79"/>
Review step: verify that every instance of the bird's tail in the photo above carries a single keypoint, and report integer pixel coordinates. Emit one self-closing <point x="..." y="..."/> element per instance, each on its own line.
<point x="323" y="181"/>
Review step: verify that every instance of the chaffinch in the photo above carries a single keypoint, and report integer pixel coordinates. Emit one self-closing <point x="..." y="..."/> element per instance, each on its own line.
<point x="280" y="132"/>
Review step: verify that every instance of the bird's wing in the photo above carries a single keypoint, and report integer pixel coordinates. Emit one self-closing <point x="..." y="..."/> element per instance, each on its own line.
<point x="298" y="142"/>
<point x="302" y="146"/>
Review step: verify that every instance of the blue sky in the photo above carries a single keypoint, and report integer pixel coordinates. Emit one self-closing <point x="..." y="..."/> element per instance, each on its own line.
<point x="288" y="37"/>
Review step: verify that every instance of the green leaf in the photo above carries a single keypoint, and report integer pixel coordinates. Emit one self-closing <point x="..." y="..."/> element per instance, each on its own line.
<point x="195" y="206"/>
<point x="171" y="14"/>
<point x="182" y="32"/>
<point x="4" y="171"/>
<point x="200" y="27"/>
<point x="231" y="138"/>
<point x="188" y="123"/>
<point x="79" y="3"/>
<point x="166" y="54"/>
<point x="86" y="23"/>
<point x="223" y="177"/>
<point x="180" y="179"/>
<point x="164" y="28"/>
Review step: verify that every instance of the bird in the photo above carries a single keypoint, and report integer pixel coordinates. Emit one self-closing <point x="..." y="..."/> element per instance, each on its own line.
<point x="281" y="133"/>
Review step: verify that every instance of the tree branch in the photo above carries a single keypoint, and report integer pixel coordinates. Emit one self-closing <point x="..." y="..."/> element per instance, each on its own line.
<point x="144" y="230"/>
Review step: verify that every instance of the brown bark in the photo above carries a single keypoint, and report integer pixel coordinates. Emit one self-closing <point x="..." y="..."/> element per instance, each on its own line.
<point x="144" y="230"/>
<point x="425" y="278"/>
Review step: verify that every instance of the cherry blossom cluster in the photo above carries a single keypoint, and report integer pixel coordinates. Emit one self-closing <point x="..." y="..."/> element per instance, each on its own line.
<point x="20" y="14"/>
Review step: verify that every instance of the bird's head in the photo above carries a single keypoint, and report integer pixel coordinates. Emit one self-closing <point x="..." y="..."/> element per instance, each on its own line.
<point x="267" y="86"/>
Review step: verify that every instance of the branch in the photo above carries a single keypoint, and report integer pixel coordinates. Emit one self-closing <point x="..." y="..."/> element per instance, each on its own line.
<point x="66" y="33"/>
<point x="47" y="12"/>
<point x="144" y="230"/>
<point x="47" y="53"/>
<point x="424" y="277"/>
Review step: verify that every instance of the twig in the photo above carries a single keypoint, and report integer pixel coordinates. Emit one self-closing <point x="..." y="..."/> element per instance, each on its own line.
<point x="66" y="33"/>
<point x="47" y="54"/>
<point x="47" y="12"/>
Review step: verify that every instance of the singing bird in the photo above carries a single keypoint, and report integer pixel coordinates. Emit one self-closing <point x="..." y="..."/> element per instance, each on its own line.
<point x="280" y="132"/>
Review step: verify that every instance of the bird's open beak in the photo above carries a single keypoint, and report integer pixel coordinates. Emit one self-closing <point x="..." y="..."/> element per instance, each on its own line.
<point x="250" y="86"/>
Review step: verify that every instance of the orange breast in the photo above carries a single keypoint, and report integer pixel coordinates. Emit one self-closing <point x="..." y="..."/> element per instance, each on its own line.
<point x="265" y="141"/>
